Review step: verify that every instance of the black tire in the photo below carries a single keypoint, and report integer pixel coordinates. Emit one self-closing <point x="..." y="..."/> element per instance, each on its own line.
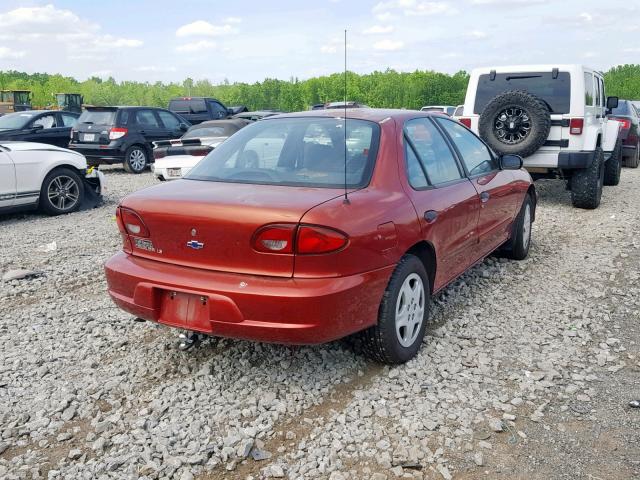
<point x="586" y="184"/>
<point x="634" y="160"/>
<point x="517" y="248"/>
<point x="381" y="342"/>
<point x="136" y="159"/>
<point x="62" y="192"/>
<point x="534" y="121"/>
<point x="613" y="166"/>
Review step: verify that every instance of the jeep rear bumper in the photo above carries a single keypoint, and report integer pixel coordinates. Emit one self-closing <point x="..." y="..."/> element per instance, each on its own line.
<point x="574" y="160"/>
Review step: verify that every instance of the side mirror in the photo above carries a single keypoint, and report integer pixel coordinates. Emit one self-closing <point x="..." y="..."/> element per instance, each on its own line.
<point x="612" y="102"/>
<point x="183" y="127"/>
<point x="511" y="162"/>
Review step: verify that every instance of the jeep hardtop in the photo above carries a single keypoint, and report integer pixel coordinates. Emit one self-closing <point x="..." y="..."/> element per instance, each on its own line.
<point x="554" y="116"/>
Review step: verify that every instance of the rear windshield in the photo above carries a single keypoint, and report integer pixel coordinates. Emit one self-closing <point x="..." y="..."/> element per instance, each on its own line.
<point x="188" y="106"/>
<point x="623" y="108"/>
<point x="98" y="117"/>
<point x="296" y="152"/>
<point x="198" y="131"/>
<point x="555" y="92"/>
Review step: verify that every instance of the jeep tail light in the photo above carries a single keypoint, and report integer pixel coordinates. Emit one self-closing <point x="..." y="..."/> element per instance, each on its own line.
<point x="117" y="132"/>
<point x="313" y="240"/>
<point x="466" y="122"/>
<point x="275" y="238"/>
<point x="625" y="122"/>
<point x="576" y="125"/>
<point x="133" y="224"/>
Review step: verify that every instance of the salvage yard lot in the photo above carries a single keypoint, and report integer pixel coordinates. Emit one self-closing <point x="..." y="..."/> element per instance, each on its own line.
<point x="546" y="350"/>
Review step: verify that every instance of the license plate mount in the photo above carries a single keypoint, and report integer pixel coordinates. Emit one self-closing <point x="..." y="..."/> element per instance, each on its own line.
<point x="185" y="310"/>
<point x="89" y="137"/>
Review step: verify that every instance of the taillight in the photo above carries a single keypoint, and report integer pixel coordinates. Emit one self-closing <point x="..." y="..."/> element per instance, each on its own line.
<point x="276" y="238"/>
<point x="626" y="123"/>
<point x="199" y="152"/>
<point x="71" y="132"/>
<point x="465" y="121"/>
<point x="312" y="240"/>
<point x="576" y="125"/>
<point x="159" y="153"/>
<point x="133" y="224"/>
<point x="117" y="132"/>
<point x="126" y="242"/>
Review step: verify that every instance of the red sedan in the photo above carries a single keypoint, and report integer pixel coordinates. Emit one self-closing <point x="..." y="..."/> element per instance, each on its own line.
<point x="305" y="228"/>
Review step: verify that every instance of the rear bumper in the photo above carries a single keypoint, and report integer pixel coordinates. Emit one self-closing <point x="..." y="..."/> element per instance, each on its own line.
<point x="96" y="154"/>
<point x="574" y="160"/>
<point x="269" y="309"/>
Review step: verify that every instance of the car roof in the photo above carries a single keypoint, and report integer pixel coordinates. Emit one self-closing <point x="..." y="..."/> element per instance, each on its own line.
<point x="570" y="67"/>
<point x="238" y="122"/>
<point x="36" y="112"/>
<point x="372" y="114"/>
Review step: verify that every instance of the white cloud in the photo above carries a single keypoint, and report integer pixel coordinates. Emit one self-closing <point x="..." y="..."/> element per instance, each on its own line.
<point x="587" y="17"/>
<point x="196" y="46"/>
<point x="477" y="34"/>
<point x="9" y="53"/>
<point x="232" y="20"/>
<point x="414" y="7"/>
<point x="328" y="48"/>
<point x="388" y="45"/>
<point x="378" y="29"/>
<point x="155" y="69"/>
<point x="205" y="29"/>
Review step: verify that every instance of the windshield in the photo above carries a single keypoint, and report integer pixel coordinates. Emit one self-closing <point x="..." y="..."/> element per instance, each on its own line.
<point x="555" y="92"/>
<point x="296" y="152"/>
<point x="15" y="120"/>
<point x="622" y="108"/>
<point x="98" y="117"/>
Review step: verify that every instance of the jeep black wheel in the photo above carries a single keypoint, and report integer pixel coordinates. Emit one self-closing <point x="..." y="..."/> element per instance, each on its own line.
<point x="402" y="317"/>
<point x="586" y="184"/>
<point x="613" y="166"/>
<point x="515" y="122"/>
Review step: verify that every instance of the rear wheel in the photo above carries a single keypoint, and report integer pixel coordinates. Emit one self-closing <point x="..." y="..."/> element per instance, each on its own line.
<point x="634" y="160"/>
<point x="62" y="192"/>
<point x="613" y="166"/>
<point x="586" y="184"/>
<point x="402" y="317"/>
<point x="136" y="159"/>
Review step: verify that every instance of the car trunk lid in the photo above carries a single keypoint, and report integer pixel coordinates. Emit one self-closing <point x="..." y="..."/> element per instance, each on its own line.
<point x="94" y="125"/>
<point x="210" y="225"/>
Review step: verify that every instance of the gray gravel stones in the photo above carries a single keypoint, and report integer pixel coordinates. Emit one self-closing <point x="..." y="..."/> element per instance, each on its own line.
<point x="100" y="396"/>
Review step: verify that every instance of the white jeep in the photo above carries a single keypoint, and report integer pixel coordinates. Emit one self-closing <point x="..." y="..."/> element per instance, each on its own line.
<point x="555" y="117"/>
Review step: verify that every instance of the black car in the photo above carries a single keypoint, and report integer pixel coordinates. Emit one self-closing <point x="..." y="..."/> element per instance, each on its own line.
<point x="43" y="126"/>
<point x="199" y="109"/>
<point x="627" y="115"/>
<point x="124" y="134"/>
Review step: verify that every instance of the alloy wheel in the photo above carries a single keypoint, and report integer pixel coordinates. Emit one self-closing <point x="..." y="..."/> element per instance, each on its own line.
<point x="410" y="307"/>
<point x="512" y="125"/>
<point x="63" y="192"/>
<point x="137" y="159"/>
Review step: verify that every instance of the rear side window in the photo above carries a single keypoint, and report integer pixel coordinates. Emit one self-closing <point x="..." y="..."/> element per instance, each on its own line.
<point x="98" y="117"/>
<point x="598" y="88"/>
<point x="170" y="121"/>
<point x="588" y="89"/>
<point x="188" y="106"/>
<point x="475" y="154"/>
<point x="68" y="120"/>
<point x="555" y="92"/>
<point x="146" y="118"/>
<point x="295" y="152"/>
<point x="432" y="151"/>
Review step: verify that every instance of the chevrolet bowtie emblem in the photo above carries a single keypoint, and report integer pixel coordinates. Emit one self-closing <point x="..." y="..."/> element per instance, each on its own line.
<point x="196" y="245"/>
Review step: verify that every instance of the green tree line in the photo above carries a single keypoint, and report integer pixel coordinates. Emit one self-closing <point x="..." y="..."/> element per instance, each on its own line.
<point x="389" y="89"/>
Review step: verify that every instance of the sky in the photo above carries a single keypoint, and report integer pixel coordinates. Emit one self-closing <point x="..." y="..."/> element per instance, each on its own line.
<point x="249" y="40"/>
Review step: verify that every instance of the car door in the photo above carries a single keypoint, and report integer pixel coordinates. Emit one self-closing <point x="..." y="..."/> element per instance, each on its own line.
<point x="149" y="126"/>
<point x="171" y="124"/>
<point x="52" y="131"/>
<point x="66" y="121"/>
<point x="7" y="180"/>
<point x="445" y="200"/>
<point x="498" y="197"/>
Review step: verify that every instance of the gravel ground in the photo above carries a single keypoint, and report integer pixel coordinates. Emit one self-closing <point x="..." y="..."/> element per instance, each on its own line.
<point x="525" y="373"/>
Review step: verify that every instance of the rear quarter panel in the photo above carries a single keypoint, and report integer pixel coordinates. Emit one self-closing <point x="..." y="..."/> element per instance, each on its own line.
<point x="379" y="219"/>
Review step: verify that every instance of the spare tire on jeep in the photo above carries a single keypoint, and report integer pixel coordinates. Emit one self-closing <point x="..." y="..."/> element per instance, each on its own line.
<point x="515" y="122"/>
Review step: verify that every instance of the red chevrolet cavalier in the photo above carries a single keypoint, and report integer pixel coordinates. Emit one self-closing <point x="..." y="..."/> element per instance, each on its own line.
<point x="307" y="227"/>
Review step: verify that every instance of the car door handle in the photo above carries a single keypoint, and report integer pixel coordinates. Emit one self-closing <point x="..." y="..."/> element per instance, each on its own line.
<point x="484" y="197"/>
<point x="430" y="216"/>
<point x="142" y="132"/>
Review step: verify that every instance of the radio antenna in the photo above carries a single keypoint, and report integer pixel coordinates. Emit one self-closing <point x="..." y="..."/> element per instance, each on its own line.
<point x="346" y="198"/>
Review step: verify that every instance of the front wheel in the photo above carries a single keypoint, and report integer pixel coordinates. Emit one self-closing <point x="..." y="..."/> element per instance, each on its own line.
<point x="402" y="317"/>
<point x="518" y="246"/>
<point x="135" y="159"/>
<point x="613" y="166"/>
<point x="62" y="192"/>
